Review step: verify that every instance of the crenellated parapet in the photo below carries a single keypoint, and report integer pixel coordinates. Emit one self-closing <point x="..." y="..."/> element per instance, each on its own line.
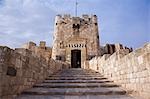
<point x="41" y="50"/>
<point x="67" y="17"/>
<point x="112" y="48"/>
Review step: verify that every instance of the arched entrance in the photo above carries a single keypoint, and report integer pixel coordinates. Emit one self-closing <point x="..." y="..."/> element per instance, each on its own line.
<point x="76" y="58"/>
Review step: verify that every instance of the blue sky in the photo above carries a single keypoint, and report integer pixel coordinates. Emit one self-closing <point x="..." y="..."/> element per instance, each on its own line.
<point x="120" y="21"/>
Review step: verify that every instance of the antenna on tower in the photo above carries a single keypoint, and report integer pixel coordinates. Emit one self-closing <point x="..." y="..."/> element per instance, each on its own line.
<point x="76" y="9"/>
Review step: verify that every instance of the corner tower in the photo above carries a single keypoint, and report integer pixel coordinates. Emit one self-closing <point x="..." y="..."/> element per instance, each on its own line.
<point x="76" y="39"/>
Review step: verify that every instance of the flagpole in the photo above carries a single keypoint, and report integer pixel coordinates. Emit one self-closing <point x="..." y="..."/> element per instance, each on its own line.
<point x="76" y="8"/>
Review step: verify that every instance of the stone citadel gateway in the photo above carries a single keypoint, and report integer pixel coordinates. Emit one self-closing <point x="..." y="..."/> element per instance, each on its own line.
<point x="75" y="39"/>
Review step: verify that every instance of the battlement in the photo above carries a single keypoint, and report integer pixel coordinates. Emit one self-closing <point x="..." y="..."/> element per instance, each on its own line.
<point x="85" y="17"/>
<point x="42" y="44"/>
<point x="41" y="50"/>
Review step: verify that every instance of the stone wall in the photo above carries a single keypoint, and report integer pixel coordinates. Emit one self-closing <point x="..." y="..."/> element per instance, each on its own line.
<point x="41" y="50"/>
<point x="131" y="70"/>
<point x="112" y="48"/>
<point x="20" y="69"/>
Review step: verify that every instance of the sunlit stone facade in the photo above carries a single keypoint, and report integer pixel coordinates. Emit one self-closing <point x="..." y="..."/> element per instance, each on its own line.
<point x="76" y="39"/>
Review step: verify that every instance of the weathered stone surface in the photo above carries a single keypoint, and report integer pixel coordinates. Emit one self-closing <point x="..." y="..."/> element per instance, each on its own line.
<point x="20" y="69"/>
<point x="75" y="33"/>
<point x="132" y="70"/>
<point x="41" y="50"/>
<point x="112" y="48"/>
<point x="76" y="87"/>
<point x="76" y="97"/>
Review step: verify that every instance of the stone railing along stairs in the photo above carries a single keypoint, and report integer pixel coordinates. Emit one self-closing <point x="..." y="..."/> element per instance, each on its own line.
<point x="75" y="83"/>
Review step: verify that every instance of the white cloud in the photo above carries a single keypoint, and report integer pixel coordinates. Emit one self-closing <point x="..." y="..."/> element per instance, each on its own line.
<point x="26" y="20"/>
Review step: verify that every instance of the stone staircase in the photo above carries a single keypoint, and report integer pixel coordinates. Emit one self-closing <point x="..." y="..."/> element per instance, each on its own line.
<point x="75" y="83"/>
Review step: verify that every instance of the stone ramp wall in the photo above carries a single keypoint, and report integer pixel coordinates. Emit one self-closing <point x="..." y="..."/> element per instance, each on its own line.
<point x="20" y="69"/>
<point x="131" y="70"/>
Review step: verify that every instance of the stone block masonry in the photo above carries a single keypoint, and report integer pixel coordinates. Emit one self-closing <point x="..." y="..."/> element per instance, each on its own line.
<point x="75" y="33"/>
<point x="41" y="50"/>
<point x="20" y="69"/>
<point x="131" y="70"/>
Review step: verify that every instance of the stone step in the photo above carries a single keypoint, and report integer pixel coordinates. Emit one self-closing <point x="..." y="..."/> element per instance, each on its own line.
<point x="76" y="81"/>
<point x="86" y="73"/>
<point x="75" y="78"/>
<point x="76" y="75"/>
<point x="77" y="71"/>
<point x="75" y="91"/>
<point x="82" y="70"/>
<point x="77" y="85"/>
<point x="75" y="97"/>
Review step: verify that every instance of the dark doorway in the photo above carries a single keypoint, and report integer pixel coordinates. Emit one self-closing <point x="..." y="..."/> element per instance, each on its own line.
<point x="76" y="58"/>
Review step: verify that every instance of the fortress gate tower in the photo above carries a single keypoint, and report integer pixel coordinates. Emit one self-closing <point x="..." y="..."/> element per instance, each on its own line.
<point x="76" y="39"/>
